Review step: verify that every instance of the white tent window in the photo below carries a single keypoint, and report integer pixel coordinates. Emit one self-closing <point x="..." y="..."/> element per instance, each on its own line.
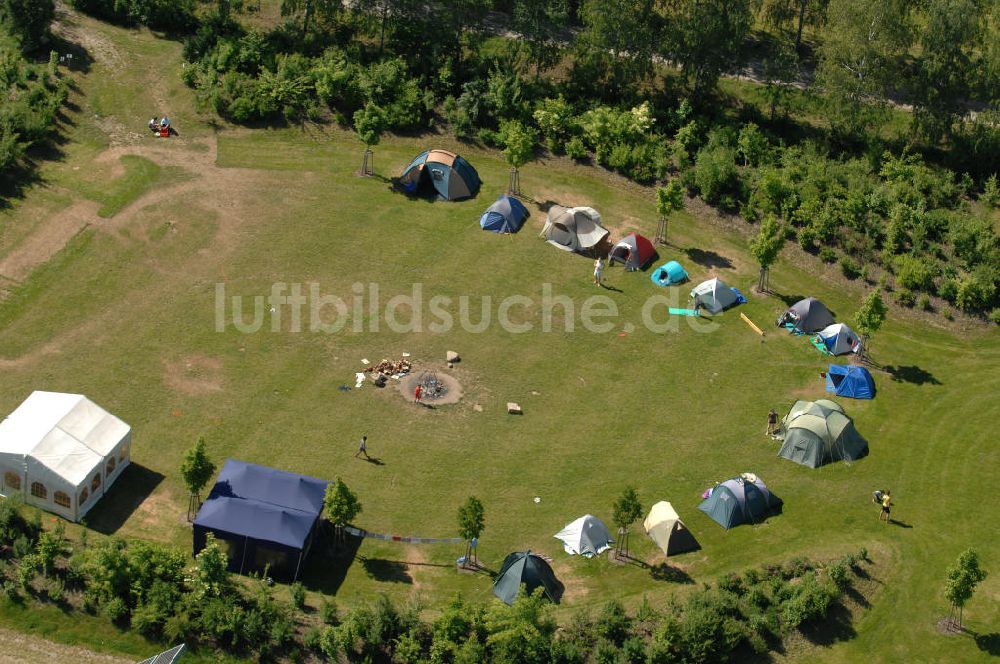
<point x="123" y="453"/>
<point x="12" y="481"/>
<point x="95" y="483"/>
<point x="110" y="468"/>
<point x="38" y="490"/>
<point x="61" y="499"/>
<point x="84" y="495"/>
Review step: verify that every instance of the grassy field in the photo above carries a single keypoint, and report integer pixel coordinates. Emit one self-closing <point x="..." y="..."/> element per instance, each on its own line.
<point x="125" y="313"/>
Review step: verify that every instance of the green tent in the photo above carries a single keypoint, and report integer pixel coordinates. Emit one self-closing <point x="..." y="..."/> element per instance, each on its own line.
<point x="527" y="569"/>
<point x="818" y="432"/>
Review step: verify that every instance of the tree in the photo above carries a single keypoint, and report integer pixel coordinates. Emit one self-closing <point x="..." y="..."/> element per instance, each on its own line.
<point x="369" y="123"/>
<point x="963" y="577"/>
<point x="471" y="520"/>
<point x="519" y="147"/>
<point x="862" y="43"/>
<point x="706" y="38"/>
<point x="869" y="318"/>
<point x="626" y="511"/>
<point x="765" y="247"/>
<point x="752" y="145"/>
<point x="28" y="20"/>
<point x="340" y="506"/>
<point x="196" y="470"/>
<point x="946" y="68"/>
<point x="780" y="13"/>
<point x="210" y="577"/>
<point x="669" y="199"/>
<point x="539" y="22"/>
<point x="308" y="9"/>
<point x="624" y="32"/>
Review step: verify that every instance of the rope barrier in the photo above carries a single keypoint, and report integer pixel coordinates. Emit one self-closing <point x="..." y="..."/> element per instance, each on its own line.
<point x="357" y="532"/>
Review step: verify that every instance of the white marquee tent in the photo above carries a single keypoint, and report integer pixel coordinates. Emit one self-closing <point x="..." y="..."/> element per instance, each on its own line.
<point x="61" y="452"/>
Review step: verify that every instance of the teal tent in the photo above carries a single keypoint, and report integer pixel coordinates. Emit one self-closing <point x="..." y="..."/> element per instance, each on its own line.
<point x="527" y="569"/>
<point x="451" y="176"/>
<point x="669" y="274"/>
<point x="743" y="499"/>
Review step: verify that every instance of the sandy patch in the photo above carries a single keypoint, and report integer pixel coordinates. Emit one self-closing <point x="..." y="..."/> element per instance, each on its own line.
<point x="47" y="240"/>
<point x="18" y="648"/>
<point x="193" y="375"/>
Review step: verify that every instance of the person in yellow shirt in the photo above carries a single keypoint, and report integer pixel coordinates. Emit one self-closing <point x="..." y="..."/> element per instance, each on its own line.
<point x="886" y="506"/>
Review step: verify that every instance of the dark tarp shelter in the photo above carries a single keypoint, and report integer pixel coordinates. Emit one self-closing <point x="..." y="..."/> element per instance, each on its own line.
<point x="818" y="432"/>
<point x="850" y="381"/>
<point x="506" y="215"/>
<point x="806" y="316"/>
<point x="525" y="568"/>
<point x="743" y="499"/>
<point x="262" y="517"/>
<point x="451" y="176"/>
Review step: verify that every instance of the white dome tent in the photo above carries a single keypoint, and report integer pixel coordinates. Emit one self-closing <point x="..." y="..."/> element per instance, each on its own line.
<point x="61" y="452"/>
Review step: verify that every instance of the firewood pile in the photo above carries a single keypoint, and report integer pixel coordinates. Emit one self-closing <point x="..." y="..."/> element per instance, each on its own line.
<point x="389" y="368"/>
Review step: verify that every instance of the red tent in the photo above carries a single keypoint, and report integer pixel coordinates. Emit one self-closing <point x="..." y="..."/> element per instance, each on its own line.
<point x="633" y="251"/>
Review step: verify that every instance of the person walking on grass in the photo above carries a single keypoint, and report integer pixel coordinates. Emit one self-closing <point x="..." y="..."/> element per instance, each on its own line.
<point x="362" y="448"/>
<point x="417" y="393"/>
<point x="886" y="506"/>
<point x="598" y="271"/>
<point x="772" y="423"/>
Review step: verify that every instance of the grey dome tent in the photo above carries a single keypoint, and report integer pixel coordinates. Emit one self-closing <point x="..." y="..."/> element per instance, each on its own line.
<point x="714" y="295"/>
<point x="451" y="176"/>
<point x="743" y="499"/>
<point x="525" y="568"/>
<point x="506" y="215"/>
<point x="574" y="229"/>
<point x="587" y="536"/>
<point x="818" y="432"/>
<point x="806" y="316"/>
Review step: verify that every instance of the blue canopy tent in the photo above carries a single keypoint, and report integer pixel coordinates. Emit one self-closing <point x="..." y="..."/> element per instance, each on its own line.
<point x="451" y="176"/>
<point x="506" y="215"/>
<point x="669" y="274"/>
<point x="263" y="517"/>
<point x="850" y="381"/>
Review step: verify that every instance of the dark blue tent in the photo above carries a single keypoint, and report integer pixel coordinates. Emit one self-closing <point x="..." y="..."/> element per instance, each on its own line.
<point x="506" y="215"/>
<point x="850" y="381"/>
<point x="262" y="517"/>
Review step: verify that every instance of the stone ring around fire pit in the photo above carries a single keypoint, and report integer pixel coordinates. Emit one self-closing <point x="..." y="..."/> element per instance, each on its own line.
<point x="436" y="388"/>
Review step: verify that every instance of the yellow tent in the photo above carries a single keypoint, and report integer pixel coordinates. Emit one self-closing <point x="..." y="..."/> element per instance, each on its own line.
<point x="667" y="530"/>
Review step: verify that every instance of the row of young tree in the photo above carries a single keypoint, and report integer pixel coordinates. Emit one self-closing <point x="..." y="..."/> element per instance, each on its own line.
<point x="32" y="92"/>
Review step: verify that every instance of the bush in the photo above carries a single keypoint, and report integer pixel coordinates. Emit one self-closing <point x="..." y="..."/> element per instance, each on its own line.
<point x="328" y="611"/>
<point x="849" y="267"/>
<point x="828" y="255"/>
<point x="991" y="191"/>
<point x="995" y="316"/>
<point x="576" y="149"/>
<point x="913" y="273"/>
<point x="298" y="595"/>
<point x="925" y="303"/>
<point x="905" y="297"/>
<point x="715" y="173"/>
<point x="838" y="573"/>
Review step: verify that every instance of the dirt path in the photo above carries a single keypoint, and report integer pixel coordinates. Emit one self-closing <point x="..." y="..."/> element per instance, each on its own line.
<point x="19" y="648"/>
<point x="48" y="239"/>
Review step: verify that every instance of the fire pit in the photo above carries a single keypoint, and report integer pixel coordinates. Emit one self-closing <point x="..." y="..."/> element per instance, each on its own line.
<point x="435" y="388"/>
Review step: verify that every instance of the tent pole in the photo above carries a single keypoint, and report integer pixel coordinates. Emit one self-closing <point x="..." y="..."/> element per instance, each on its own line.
<point x="243" y="560"/>
<point x="297" y="566"/>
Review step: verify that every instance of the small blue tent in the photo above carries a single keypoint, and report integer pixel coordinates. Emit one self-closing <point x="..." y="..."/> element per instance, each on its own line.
<point x="451" y="176"/>
<point x="263" y="517"/>
<point x="506" y="215"/>
<point x="669" y="274"/>
<point x="850" y="381"/>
